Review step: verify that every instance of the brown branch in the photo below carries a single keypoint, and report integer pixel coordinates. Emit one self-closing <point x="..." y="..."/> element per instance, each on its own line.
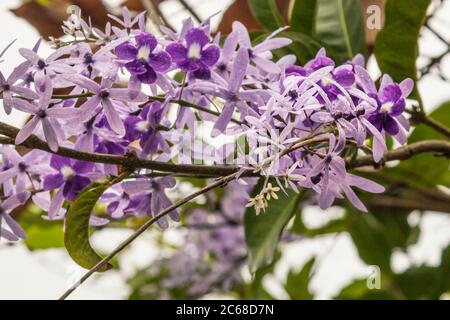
<point x="190" y="10"/>
<point x="406" y="152"/>
<point x="384" y="201"/>
<point x="131" y="161"/>
<point x="143" y="228"/>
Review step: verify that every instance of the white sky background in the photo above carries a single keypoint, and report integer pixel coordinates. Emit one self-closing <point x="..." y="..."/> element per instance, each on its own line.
<point x="46" y="274"/>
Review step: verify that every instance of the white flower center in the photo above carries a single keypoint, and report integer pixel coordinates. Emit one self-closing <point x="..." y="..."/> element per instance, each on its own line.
<point x="143" y="53"/>
<point x="194" y="51"/>
<point x="327" y="80"/>
<point x="67" y="172"/>
<point x="142" y="126"/>
<point x="386" y="108"/>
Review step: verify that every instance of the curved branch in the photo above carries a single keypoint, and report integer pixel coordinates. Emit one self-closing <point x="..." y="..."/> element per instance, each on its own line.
<point x="144" y="227"/>
<point x="406" y="152"/>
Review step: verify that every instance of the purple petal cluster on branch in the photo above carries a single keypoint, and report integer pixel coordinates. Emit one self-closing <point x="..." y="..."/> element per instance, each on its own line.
<point x="123" y="99"/>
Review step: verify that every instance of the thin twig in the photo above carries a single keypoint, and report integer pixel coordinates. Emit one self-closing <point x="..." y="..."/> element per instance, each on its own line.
<point x="143" y="228"/>
<point x="190" y="10"/>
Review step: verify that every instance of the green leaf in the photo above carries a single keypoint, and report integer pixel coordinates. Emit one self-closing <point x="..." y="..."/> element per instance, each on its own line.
<point x="341" y="26"/>
<point x="303" y="47"/>
<point x="297" y="283"/>
<point x="303" y="16"/>
<point x="396" y="46"/>
<point x="76" y="237"/>
<point x="263" y="231"/>
<point x="426" y="169"/>
<point x="370" y="240"/>
<point x="267" y="13"/>
<point x="421" y="282"/>
<point x="358" y="290"/>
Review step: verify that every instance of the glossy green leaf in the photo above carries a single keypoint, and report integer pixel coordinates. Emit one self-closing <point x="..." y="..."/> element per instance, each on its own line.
<point x="358" y="290"/>
<point x="370" y="240"/>
<point x="297" y="283"/>
<point x="421" y="282"/>
<point x="76" y="237"/>
<point x="340" y="25"/>
<point x="426" y="169"/>
<point x="396" y="46"/>
<point x="303" y="47"/>
<point x="303" y="16"/>
<point x="267" y="13"/>
<point x="263" y="231"/>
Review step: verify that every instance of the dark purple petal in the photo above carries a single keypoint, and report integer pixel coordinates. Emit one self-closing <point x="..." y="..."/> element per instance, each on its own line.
<point x="147" y="40"/>
<point x="377" y="121"/>
<point x="398" y="108"/>
<point x="390" y="125"/>
<point x="83" y="166"/>
<point x="189" y="65"/>
<point x="210" y="55"/>
<point x="345" y="78"/>
<point x="160" y="61"/>
<point x="321" y="62"/>
<point x="126" y="51"/>
<point x="177" y="52"/>
<point x="53" y="181"/>
<point x="149" y="76"/>
<point x="391" y="92"/>
<point x="202" y="73"/>
<point x="73" y="187"/>
<point x="295" y="70"/>
<point x="58" y="162"/>
<point x="197" y="35"/>
<point x="136" y="67"/>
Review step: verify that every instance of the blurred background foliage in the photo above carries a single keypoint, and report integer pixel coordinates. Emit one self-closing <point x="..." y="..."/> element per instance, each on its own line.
<point x="413" y="187"/>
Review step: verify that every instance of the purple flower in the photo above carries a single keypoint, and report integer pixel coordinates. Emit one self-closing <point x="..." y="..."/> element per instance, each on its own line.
<point x="143" y="63"/>
<point x="260" y="54"/>
<point x="71" y="177"/>
<point x="390" y="104"/>
<point x="145" y="128"/>
<point x="21" y="168"/>
<point x="5" y="209"/>
<point x="44" y="113"/>
<point x="105" y="96"/>
<point x="154" y="196"/>
<point x="49" y="67"/>
<point x="196" y="56"/>
<point x="8" y="87"/>
<point x="232" y="93"/>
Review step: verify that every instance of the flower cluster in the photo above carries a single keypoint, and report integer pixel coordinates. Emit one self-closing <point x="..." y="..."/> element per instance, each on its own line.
<point x="132" y="94"/>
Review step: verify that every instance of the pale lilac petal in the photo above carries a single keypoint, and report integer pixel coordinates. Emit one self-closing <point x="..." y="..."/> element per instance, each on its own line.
<point x="239" y="70"/>
<point x="50" y="135"/>
<point x="125" y="95"/>
<point x="113" y="117"/>
<point x="14" y="226"/>
<point x="266" y="65"/>
<point x="407" y="87"/>
<point x="24" y="106"/>
<point x="241" y="30"/>
<point x="223" y="120"/>
<point x="353" y="198"/>
<point x="272" y="44"/>
<point x="63" y="113"/>
<point x="56" y="204"/>
<point x="136" y="186"/>
<point x="27" y="130"/>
